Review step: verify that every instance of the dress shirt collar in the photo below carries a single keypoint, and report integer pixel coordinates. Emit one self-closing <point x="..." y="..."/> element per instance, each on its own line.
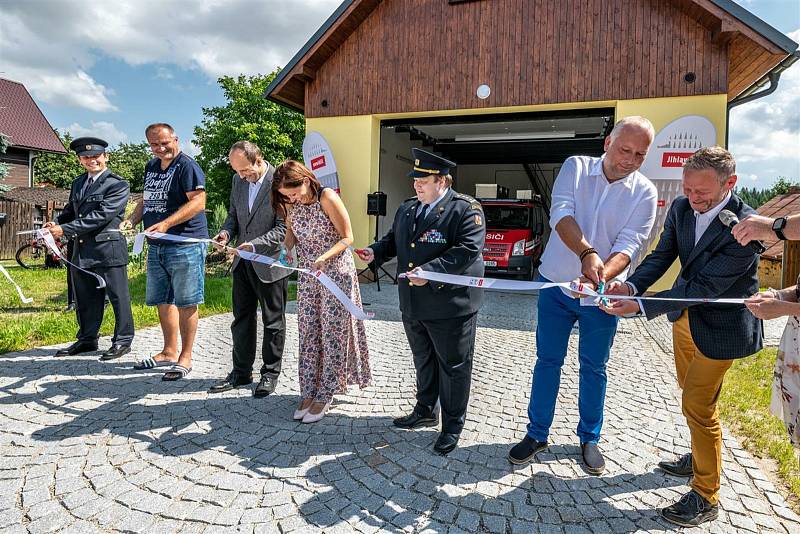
<point x="713" y="212"/>
<point x="597" y="170"/>
<point x="438" y="199"/>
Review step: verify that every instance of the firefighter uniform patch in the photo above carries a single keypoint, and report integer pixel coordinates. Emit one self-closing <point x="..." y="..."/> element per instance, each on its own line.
<point x="478" y="221"/>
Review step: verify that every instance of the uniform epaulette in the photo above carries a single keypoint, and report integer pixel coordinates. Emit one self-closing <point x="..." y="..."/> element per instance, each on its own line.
<point x="473" y="204"/>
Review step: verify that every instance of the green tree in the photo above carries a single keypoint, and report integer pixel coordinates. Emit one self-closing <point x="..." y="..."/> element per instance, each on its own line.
<point x="57" y="169"/>
<point x="128" y="160"/>
<point x="247" y="116"/>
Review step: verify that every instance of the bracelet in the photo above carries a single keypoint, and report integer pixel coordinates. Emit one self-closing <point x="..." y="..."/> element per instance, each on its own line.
<point x="775" y="293"/>
<point x="586" y="252"/>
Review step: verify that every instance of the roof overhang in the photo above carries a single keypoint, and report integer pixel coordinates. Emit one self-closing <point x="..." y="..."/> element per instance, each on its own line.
<point x="725" y="18"/>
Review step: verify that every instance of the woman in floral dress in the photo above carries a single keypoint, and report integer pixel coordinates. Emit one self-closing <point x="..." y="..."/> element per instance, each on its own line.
<point x="333" y="344"/>
<point x="786" y="382"/>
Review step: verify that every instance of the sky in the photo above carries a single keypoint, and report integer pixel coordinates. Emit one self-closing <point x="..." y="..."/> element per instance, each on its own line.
<point x="110" y="68"/>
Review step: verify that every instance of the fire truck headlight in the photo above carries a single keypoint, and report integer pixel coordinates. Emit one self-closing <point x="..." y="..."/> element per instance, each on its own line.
<point x="519" y="248"/>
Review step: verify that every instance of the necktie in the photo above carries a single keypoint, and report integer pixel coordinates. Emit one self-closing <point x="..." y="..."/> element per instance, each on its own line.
<point x="86" y="186"/>
<point x="422" y="214"/>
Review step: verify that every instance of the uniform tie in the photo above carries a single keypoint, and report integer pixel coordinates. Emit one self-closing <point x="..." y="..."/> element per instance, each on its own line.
<point x="86" y="186"/>
<point x="422" y="214"/>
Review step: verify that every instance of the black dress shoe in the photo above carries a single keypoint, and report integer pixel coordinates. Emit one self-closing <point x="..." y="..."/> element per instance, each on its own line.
<point x="70" y="307"/>
<point x="231" y="381"/>
<point x="446" y="442"/>
<point x="77" y="348"/>
<point x="524" y="451"/>
<point x="416" y="420"/>
<point x="592" y="458"/>
<point x="682" y="467"/>
<point x="115" y="352"/>
<point x="690" y="511"/>
<point x="265" y="386"/>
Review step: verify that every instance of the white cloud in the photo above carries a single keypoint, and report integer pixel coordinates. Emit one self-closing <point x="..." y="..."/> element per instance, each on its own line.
<point x="163" y="73"/>
<point x="51" y="45"/>
<point x="765" y="134"/>
<point x="106" y="131"/>
<point x="191" y="149"/>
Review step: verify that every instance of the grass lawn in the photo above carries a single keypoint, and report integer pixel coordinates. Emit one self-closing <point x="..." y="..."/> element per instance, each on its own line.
<point x="744" y="407"/>
<point x="42" y="322"/>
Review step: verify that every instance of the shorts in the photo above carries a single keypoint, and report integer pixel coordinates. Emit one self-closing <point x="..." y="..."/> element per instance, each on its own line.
<point x="176" y="274"/>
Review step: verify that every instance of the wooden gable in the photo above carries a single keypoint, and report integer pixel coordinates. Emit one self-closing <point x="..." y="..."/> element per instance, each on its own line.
<point x="403" y="55"/>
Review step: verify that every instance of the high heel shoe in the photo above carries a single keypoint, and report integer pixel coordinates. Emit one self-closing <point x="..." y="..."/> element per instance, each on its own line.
<point x="301" y="412"/>
<point x="314" y="417"/>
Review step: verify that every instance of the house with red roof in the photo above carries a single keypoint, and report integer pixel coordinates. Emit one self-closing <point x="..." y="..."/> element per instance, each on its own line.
<point x="28" y="130"/>
<point x="780" y="263"/>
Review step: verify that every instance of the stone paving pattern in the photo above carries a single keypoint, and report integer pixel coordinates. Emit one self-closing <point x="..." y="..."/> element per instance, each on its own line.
<point x="87" y="446"/>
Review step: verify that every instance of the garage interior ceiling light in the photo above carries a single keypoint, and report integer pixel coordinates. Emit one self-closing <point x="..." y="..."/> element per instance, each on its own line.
<point x="515" y="137"/>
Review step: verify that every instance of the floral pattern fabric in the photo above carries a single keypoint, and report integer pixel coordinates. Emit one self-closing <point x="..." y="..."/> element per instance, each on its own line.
<point x="333" y="344"/>
<point x="786" y="383"/>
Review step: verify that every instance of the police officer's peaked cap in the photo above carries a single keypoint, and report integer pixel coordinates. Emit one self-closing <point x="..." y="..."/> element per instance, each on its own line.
<point x="88" y="146"/>
<point x="426" y="164"/>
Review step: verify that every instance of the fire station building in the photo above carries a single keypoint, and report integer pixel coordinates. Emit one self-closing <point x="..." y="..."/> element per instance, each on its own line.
<point x="509" y="89"/>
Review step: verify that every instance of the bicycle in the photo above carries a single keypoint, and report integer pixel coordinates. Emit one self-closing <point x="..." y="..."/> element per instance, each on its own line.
<point x="35" y="254"/>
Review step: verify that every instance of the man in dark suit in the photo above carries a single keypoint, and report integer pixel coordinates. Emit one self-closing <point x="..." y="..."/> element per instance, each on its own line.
<point x="252" y="221"/>
<point x="441" y="231"/>
<point x="707" y="337"/>
<point x="91" y="218"/>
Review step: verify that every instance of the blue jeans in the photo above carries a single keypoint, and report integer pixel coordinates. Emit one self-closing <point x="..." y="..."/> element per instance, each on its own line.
<point x="175" y="274"/>
<point x="557" y="314"/>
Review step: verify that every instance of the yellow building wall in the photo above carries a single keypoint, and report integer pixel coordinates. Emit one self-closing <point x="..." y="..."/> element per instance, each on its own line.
<point x="662" y="111"/>
<point x="355" y="143"/>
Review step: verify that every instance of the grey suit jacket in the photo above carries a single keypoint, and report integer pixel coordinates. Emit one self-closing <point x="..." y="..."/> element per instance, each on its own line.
<point x="717" y="267"/>
<point x="261" y="226"/>
<point x="92" y="219"/>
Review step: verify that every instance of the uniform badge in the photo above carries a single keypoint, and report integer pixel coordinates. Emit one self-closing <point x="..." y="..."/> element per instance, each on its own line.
<point x="476" y="206"/>
<point x="432" y="236"/>
<point x="88" y="147"/>
<point x="478" y="221"/>
<point x="416" y="163"/>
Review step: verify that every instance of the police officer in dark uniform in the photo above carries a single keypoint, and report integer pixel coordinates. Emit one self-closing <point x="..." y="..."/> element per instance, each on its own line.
<point x="440" y="231"/>
<point x="97" y="202"/>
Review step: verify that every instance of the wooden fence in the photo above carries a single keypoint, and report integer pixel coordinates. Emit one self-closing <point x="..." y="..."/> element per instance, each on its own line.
<point x="19" y="216"/>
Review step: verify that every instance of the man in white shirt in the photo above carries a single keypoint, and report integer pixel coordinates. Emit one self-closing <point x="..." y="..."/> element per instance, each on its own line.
<point x="252" y="221"/>
<point x="602" y="211"/>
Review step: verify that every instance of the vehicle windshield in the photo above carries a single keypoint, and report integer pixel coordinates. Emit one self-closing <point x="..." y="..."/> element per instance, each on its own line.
<point x="508" y="217"/>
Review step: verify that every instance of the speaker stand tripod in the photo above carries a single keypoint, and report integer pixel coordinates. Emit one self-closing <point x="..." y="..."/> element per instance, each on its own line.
<point x="374" y="269"/>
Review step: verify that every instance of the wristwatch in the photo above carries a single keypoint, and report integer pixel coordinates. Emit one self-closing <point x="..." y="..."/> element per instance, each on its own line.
<point x="777" y="226"/>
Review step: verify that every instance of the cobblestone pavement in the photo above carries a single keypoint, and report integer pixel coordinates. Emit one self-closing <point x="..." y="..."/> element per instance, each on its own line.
<point x="87" y="446"/>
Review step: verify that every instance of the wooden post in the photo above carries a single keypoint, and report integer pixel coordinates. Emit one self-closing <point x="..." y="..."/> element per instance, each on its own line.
<point x="790" y="267"/>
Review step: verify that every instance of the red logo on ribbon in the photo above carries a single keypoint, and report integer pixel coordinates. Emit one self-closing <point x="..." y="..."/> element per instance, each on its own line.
<point x="674" y="159"/>
<point x="317" y="162"/>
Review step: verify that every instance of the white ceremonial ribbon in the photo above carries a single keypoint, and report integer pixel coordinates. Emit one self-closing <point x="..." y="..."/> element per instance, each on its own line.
<point x="22" y="297"/>
<point x="516" y="285"/>
<point x="45" y="235"/>
<point x="323" y="278"/>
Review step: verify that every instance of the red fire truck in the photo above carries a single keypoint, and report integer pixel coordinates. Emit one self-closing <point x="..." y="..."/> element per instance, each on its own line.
<point x="514" y="230"/>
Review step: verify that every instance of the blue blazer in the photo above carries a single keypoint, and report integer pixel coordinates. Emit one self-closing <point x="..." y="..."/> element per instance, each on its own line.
<point x="717" y="267"/>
